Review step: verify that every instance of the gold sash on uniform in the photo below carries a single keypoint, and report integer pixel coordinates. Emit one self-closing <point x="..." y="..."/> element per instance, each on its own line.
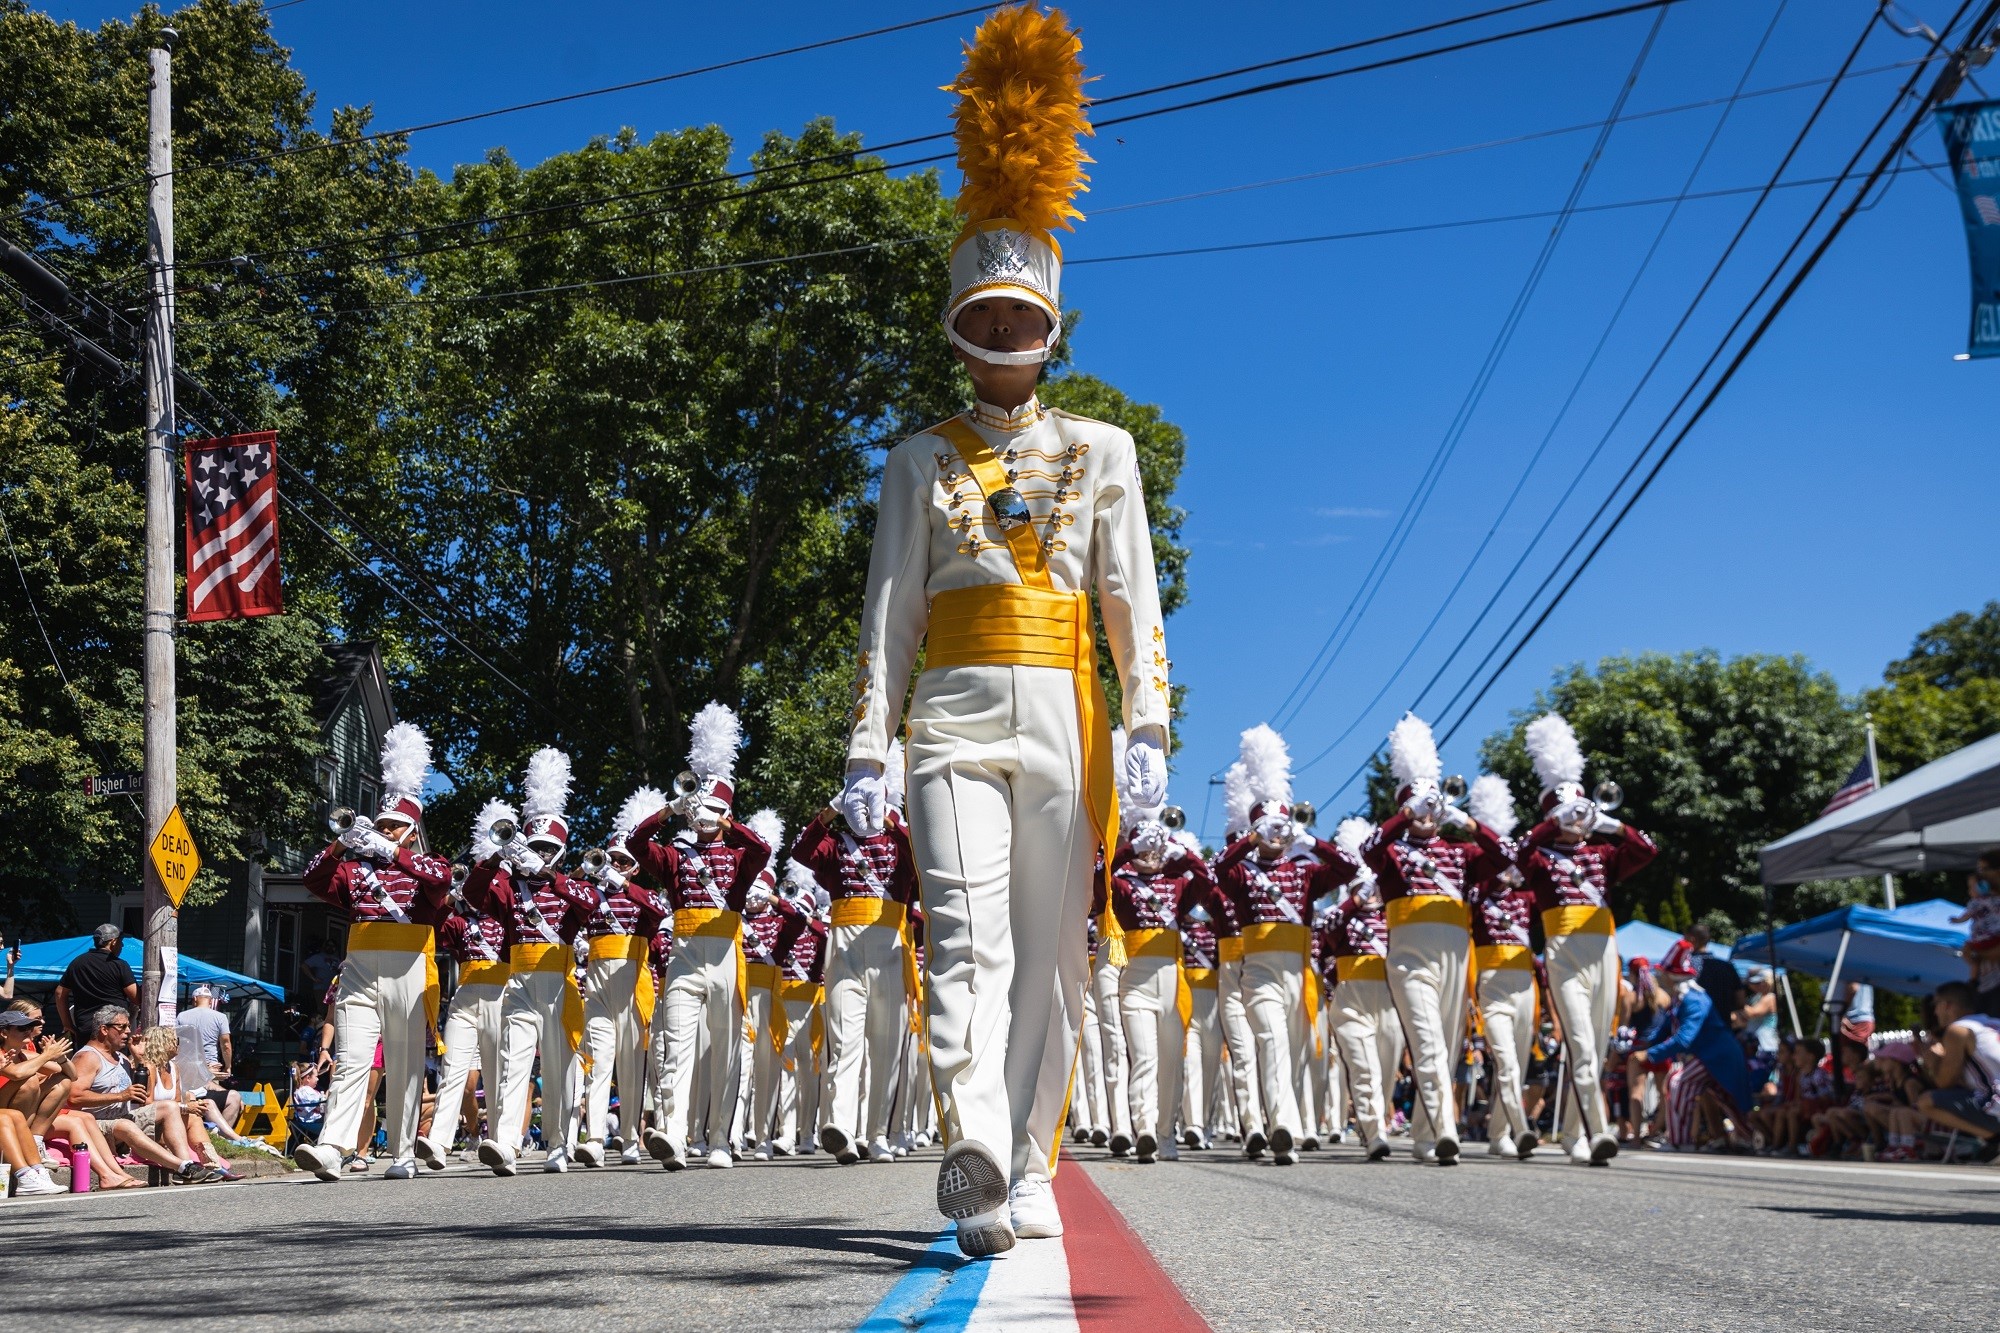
<point x="1157" y="943"/>
<point x="1579" y="921"/>
<point x="1361" y="967"/>
<point x="1229" y="949"/>
<point x="719" y="923"/>
<point x="1032" y="623"/>
<point x="636" y="948"/>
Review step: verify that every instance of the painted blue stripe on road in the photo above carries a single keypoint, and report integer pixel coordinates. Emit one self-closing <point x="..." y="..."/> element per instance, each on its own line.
<point x="937" y="1295"/>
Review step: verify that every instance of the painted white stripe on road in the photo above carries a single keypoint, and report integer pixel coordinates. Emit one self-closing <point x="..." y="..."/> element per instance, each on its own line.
<point x="1027" y="1288"/>
<point x="1908" y="1175"/>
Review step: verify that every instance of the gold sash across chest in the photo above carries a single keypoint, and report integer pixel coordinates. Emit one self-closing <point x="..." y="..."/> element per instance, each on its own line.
<point x="1032" y="623"/>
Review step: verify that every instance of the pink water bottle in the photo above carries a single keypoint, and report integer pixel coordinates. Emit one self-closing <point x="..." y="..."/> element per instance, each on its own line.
<point x="79" y="1168"/>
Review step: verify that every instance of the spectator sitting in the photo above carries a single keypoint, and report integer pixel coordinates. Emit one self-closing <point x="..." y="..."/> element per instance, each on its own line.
<point x="35" y="1079"/>
<point x="1982" y="947"/>
<point x="206" y="1054"/>
<point x="1895" y="1121"/>
<point x="1760" y="1020"/>
<point x="124" y="1109"/>
<point x="1966" y="1069"/>
<point x="158" y="1056"/>
<point x="94" y="980"/>
<point x="1713" y="1088"/>
<point x="1780" y="1089"/>
<point x="308" y="1112"/>
<point x="1648" y="1021"/>
<point x="1840" y="1126"/>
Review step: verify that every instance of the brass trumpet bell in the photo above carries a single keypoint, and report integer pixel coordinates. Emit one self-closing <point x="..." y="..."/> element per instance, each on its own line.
<point x="1609" y="795"/>
<point x="1454" y="787"/>
<point x="1304" y="815"/>
<point x="1174" y="818"/>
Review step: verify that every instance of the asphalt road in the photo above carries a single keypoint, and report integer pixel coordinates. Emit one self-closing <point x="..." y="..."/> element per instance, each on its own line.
<point x="1656" y="1242"/>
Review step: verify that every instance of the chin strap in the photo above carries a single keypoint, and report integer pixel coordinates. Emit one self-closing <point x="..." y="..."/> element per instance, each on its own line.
<point x="991" y="358"/>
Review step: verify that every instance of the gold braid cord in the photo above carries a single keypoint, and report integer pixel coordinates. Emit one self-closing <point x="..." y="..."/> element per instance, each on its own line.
<point x="1020" y="110"/>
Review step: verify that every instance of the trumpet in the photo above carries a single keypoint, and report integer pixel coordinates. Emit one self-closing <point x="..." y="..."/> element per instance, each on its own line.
<point x="686" y="784"/>
<point x="1454" y="787"/>
<point x="595" y="864"/>
<point x="504" y="831"/>
<point x="1303" y="814"/>
<point x="458" y="873"/>
<point x="1609" y="796"/>
<point x="1174" y="818"/>
<point x="346" y="817"/>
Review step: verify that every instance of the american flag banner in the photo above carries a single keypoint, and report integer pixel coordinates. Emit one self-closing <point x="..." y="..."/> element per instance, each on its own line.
<point x="1859" y="783"/>
<point x="232" y="527"/>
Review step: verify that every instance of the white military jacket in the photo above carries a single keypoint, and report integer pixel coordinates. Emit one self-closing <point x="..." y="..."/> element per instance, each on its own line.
<point x="934" y="532"/>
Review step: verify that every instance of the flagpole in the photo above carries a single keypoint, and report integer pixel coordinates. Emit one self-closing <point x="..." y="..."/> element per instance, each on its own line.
<point x="1875" y="771"/>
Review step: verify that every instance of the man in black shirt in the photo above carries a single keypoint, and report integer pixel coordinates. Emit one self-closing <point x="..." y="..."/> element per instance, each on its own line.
<point x="1717" y="976"/>
<point x="94" y="980"/>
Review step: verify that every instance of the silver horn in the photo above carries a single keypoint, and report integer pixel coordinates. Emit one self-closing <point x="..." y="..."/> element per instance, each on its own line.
<point x="1304" y="815"/>
<point x="1609" y="796"/>
<point x="503" y="832"/>
<point x="595" y="862"/>
<point x="1174" y="818"/>
<point x="687" y="783"/>
<point x="342" y="819"/>
<point x="1454" y="787"/>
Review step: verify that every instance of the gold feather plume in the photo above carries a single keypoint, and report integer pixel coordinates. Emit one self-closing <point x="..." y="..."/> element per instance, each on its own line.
<point x="1020" y="110"/>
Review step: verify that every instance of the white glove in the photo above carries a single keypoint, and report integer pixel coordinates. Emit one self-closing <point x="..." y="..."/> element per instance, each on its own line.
<point x="1426" y="801"/>
<point x="355" y="836"/>
<point x="1605" y="823"/>
<point x="1145" y="772"/>
<point x="1275" y="828"/>
<point x="379" y="847"/>
<point x="1453" y="817"/>
<point x="526" y="861"/>
<point x="1578" y="812"/>
<point x="864" y="801"/>
<point x="1150" y="838"/>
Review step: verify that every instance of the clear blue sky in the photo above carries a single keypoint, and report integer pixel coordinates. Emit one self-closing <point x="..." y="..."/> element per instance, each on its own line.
<point x="1839" y="497"/>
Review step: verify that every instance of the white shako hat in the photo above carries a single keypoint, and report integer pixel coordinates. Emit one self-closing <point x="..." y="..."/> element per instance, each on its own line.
<point x="1413" y="755"/>
<point x="1558" y="759"/>
<point x="544" y="794"/>
<point x="1020" y="110"/>
<point x="406" y="765"/>
<point x="714" y="737"/>
<point x="1267" y="763"/>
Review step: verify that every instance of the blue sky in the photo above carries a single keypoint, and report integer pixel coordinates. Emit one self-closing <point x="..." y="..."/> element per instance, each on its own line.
<point x="1838" y="498"/>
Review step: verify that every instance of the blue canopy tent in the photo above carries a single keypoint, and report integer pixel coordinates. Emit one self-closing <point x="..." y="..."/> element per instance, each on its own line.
<point x="1912" y="950"/>
<point x="45" y="963"/>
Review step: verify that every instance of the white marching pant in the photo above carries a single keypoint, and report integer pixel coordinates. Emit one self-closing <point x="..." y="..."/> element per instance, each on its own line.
<point x="615" y="1040"/>
<point x="1334" y="1109"/>
<point x="798" y="1077"/>
<point x="699" y="1013"/>
<point x="381" y="998"/>
<point x="1507" y="1008"/>
<point x="1203" y="1058"/>
<point x="1312" y="1073"/>
<point x="757" y="1104"/>
<point x="472" y="1037"/>
<point x="866" y="1020"/>
<point x="1427" y="963"/>
<point x="1370" y="1038"/>
<point x="1005" y="851"/>
<point x="1089" y="1107"/>
<point x="915" y="1104"/>
<point x="1235" y="1010"/>
<point x="1583" y="974"/>
<point x="1114" y="1056"/>
<point x="1274" y="982"/>
<point x="531" y="1017"/>
<point x="1148" y="1002"/>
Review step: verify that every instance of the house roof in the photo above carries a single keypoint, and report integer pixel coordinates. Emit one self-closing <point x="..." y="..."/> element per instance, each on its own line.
<point x="348" y="666"/>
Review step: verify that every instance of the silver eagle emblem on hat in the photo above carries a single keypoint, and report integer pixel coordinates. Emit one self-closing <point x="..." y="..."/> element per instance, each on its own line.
<point x="1002" y="253"/>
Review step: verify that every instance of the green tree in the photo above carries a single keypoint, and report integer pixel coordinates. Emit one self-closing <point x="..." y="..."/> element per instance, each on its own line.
<point x="1943" y="696"/>
<point x="1954" y="652"/>
<point x="1716" y="757"/>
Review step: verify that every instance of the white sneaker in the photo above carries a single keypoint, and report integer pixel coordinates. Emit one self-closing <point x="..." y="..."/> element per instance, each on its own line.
<point x="36" y="1180"/>
<point x="630" y="1155"/>
<point x="498" y="1156"/>
<point x="1379" y="1150"/>
<point x="923" y="1139"/>
<point x="1500" y="1147"/>
<point x="1524" y="1147"/>
<point x="406" y="1169"/>
<point x="590" y="1153"/>
<point x="664" y="1150"/>
<point x="319" y="1159"/>
<point x="699" y="1148"/>
<point x="762" y="1153"/>
<point x="1447" y="1152"/>
<point x="557" y="1161"/>
<point x="985" y="1233"/>
<point x="1191" y="1136"/>
<point x="1170" y="1151"/>
<point x="1426" y="1153"/>
<point x="971" y="1184"/>
<point x="880" y="1151"/>
<point x="782" y="1148"/>
<point x="431" y="1153"/>
<point x="1031" y="1207"/>
<point x="720" y="1157"/>
<point x="1579" y="1153"/>
<point x="1603" y="1148"/>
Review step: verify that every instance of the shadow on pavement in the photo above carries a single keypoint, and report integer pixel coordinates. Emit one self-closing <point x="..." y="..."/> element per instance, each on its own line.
<point x="1959" y="1219"/>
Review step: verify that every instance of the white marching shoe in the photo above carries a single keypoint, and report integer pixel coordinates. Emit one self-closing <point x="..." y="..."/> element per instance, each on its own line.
<point x="629" y="1155"/>
<point x="431" y="1153"/>
<point x="880" y="1151"/>
<point x="322" y="1161"/>
<point x="1031" y="1207"/>
<point x="590" y="1153"/>
<point x="1501" y="1147"/>
<point x="405" y="1169"/>
<point x="557" y="1161"/>
<point x="1579" y="1153"/>
<point x="498" y="1156"/>
<point x="721" y="1158"/>
<point x="985" y="1234"/>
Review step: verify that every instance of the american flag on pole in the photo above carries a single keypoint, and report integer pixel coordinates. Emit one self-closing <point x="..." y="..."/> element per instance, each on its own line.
<point x="232" y="527"/>
<point x="1859" y="783"/>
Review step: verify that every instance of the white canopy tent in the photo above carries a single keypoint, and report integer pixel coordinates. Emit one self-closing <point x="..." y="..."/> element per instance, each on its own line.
<point x="1939" y="817"/>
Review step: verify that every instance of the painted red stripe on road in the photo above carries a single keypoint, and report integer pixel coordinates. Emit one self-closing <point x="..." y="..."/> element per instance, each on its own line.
<point x="1114" y="1279"/>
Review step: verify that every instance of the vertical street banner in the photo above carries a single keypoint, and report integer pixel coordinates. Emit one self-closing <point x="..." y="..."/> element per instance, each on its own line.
<point x="232" y="527"/>
<point x="1972" y="141"/>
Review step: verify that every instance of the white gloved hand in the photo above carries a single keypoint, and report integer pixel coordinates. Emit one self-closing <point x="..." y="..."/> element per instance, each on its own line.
<point x="1145" y="771"/>
<point x="379" y="847"/>
<point x="1579" y="812"/>
<point x="355" y="836"/>
<point x="525" y="861"/>
<point x="864" y="801"/>
<point x="1426" y="801"/>
<point x="1453" y="817"/>
<point x="1605" y="823"/>
<point x="1274" y="828"/>
<point x="1150" y="838"/>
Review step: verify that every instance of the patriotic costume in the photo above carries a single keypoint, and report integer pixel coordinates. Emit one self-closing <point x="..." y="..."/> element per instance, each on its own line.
<point x="477" y="945"/>
<point x="992" y="530"/>
<point x="1423" y="878"/>
<point x="1571" y="878"/>
<point x="708" y="872"/>
<point x="1155" y="882"/>
<point x="1503" y="960"/>
<point x="1271" y="893"/>
<point x="871" y="883"/>
<point x="387" y="990"/>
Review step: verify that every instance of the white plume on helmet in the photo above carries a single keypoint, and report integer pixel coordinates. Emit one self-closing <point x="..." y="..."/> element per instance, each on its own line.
<point x="1552" y="747"/>
<point x="1267" y="765"/>
<point x="406" y="763"/>
<point x="1351" y="833"/>
<point x="713" y="740"/>
<point x="770" y="826"/>
<point x="1491" y="802"/>
<point x="1413" y="751"/>
<point x="545" y="787"/>
<point x="639" y="807"/>
<point x="896" y="774"/>
<point x="1236" y="800"/>
<point x="490" y="814"/>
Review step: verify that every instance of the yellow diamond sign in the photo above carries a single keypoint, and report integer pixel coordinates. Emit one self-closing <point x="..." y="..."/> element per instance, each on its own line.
<point x="174" y="857"/>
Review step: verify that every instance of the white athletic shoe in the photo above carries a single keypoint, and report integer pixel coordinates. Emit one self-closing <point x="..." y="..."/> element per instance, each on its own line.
<point x="406" y="1169"/>
<point x="1603" y="1148"/>
<point x="761" y="1153"/>
<point x="1031" y="1207"/>
<point x="1500" y="1147"/>
<point x="1170" y="1151"/>
<point x="1447" y="1152"/>
<point x="721" y="1158"/>
<point x="923" y="1139"/>
<point x="834" y="1139"/>
<point x="557" y="1161"/>
<point x="498" y="1156"/>
<point x="590" y="1153"/>
<point x="1147" y="1150"/>
<point x="322" y="1161"/>
<point x="781" y="1148"/>
<point x="880" y="1151"/>
<point x="431" y="1153"/>
<point x="1426" y="1153"/>
<point x="985" y="1233"/>
<point x="1579" y="1153"/>
<point x="630" y="1156"/>
<point x="1524" y="1147"/>
<point x="971" y="1185"/>
<point x="1191" y="1137"/>
<point x="36" y="1180"/>
<point x="1379" y="1150"/>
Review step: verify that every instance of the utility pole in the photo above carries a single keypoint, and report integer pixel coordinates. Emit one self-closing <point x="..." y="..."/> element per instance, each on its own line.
<point x="157" y="995"/>
<point x="1875" y="767"/>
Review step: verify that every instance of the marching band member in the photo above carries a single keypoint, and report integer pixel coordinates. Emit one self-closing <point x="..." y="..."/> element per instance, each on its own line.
<point x="1202" y="1056"/>
<point x="619" y="995"/>
<point x="708" y="870"/>
<point x="1155" y="882"/>
<point x="1571" y="878"/>
<point x="771" y="925"/>
<point x="1423" y="877"/>
<point x="1113" y="1053"/>
<point x="477" y="943"/>
<point x="1504" y="965"/>
<point x="542" y="910"/>
<point x="1317" y="1053"/>
<point x="1272" y="893"/>
<point x="1010" y="776"/>
<point x="394" y="895"/>
<point x="871" y="882"/>
<point x="1243" y="1100"/>
<point x="915" y="1101"/>
<point x="802" y="988"/>
<point x="1365" y="1027"/>
<point x="1090" y="1107"/>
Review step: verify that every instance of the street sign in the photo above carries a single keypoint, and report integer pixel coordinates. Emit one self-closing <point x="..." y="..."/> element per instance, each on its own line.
<point x="175" y="858"/>
<point x="115" y="784"/>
